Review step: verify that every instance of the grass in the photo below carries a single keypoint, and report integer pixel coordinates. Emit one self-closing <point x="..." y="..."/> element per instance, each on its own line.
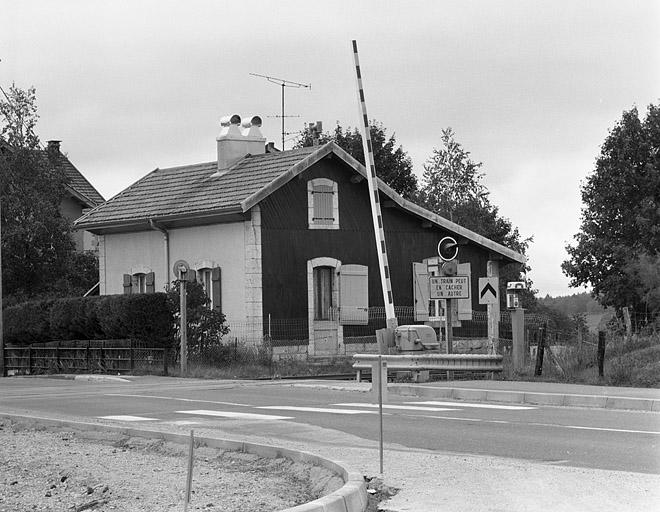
<point x="634" y="363"/>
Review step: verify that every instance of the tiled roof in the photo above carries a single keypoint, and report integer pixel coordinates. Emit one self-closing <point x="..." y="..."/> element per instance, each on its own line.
<point x="192" y="189"/>
<point x="80" y="186"/>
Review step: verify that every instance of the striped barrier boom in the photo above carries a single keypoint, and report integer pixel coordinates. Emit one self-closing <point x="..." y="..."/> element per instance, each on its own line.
<point x="458" y="362"/>
<point x="381" y="247"/>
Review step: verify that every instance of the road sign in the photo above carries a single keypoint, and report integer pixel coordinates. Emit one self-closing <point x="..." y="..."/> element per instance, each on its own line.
<point x="488" y="287"/>
<point x="447" y="248"/>
<point x="456" y="287"/>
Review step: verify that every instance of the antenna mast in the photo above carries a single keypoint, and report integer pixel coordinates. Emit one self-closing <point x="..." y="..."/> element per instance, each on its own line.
<point x="283" y="83"/>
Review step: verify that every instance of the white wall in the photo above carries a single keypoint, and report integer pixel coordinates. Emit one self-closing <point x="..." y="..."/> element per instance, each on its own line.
<point x="221" y="244"/>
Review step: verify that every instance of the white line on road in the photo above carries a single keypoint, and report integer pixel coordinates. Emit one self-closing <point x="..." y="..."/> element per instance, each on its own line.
<point x="126" y="418"/>
<point x="178" y="399"/>
<point x="235" y="415"/>
<point x="481" y="406"/>
<point x="553" y="425"/>
<point x="402" y="407"/>
<point x="315" y="409"/>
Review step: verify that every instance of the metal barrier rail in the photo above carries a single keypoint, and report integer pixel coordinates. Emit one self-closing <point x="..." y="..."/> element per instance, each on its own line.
<point x="454" y="362"/>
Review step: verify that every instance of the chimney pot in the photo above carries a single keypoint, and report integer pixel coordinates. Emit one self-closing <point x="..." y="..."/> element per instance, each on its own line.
<point x="238" y="139"/>
<point x="54" y="145"/>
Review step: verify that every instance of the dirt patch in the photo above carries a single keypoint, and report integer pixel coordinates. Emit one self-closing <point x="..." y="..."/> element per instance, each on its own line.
<point x="76" y="471"/>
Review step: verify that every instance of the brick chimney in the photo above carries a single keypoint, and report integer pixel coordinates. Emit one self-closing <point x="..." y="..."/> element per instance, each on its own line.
<point x="238" y="139"/>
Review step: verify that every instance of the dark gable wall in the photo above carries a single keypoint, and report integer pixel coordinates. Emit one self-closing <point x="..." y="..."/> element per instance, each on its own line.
<point x="287" y="243"/>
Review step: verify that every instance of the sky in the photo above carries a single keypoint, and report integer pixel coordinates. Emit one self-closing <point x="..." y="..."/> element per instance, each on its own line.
<point x="530" y="88"/>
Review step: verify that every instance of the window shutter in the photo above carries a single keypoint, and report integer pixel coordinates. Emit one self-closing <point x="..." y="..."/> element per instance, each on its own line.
<point x="128" y="284"/>
<point x="421" y="291"/>
<point x="216" y="288"/>
<point x="353" y="295"/>
<point x="323" y="211"/>
<point x="465" y="305"/>
<point x="149" y="281"/>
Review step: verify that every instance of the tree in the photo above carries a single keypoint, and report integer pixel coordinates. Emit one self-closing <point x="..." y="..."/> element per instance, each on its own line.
<point x="393" y="165"/>
<point x="37" y="246"/>
<point x="452" y="187"/>
<point x="620" y="215"/>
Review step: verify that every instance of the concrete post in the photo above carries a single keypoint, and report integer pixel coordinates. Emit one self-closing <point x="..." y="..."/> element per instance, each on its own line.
<point x="493" y="270"/>
<point x="518" y="335"/>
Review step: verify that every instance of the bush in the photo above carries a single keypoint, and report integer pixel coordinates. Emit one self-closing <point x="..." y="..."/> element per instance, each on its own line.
<point x="145" y="317"/>
<point x="640" y="368"/>
<point x="27" y="323"/>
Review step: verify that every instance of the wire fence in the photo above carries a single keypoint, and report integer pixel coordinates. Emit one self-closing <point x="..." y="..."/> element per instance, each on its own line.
<point x="282" y="340"/>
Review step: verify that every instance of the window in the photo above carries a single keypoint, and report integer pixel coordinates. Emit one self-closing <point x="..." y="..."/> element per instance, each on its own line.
<point x="322" y="204"/>
<point x="139" y="282"/>
<point x="209" y="278"/>
<point x="323" y="296"/>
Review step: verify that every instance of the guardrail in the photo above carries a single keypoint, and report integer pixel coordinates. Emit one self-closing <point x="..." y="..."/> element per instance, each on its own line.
<point x="414" y="362"/>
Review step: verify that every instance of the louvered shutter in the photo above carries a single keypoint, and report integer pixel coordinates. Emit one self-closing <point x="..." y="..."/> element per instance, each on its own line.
<point x="150" y="282"/>
<point x="323" y="199"/>
<point x="421" y="291"/>
<point x="216" y="288"/>
<point x="353" y="295"/>
<point x="128" y="284"/>
<point x="465" y="305"/>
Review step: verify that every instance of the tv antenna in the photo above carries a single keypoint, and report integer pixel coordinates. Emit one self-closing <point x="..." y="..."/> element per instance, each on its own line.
<point x="283" y="83"/>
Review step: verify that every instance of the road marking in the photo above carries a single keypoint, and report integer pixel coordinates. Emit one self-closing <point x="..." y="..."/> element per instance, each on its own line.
<point x="553" y="425"/>
<point x="481" y="406"/>
<point x="235" y="415"/>
<point x="604" y="429"/>
<point x="178" y="399"/>
<point x="402" y="407"/>
<point x="315" y="409"/>
<point x="182" y="423"/>
<point x="126" y="418"/>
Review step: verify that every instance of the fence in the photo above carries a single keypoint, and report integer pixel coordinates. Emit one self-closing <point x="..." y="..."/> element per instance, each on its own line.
<point x="93" y="356"/>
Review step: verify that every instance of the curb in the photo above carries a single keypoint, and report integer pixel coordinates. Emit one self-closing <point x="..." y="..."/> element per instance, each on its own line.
<point x="526" y="397"/>
<point x="351" y="497"/>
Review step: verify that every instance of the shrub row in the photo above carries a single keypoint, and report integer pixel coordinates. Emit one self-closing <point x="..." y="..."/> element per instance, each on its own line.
<point x="143" y="317"/>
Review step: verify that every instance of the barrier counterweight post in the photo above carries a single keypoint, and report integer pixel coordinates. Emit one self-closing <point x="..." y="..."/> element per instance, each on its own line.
<point x="372" y="181"/>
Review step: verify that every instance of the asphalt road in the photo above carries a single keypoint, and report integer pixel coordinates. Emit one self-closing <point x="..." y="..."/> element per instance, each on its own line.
<point x="590" y="438"/>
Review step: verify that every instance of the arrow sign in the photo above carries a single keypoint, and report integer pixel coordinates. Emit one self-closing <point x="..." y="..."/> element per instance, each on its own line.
<point x="488" y="287"/>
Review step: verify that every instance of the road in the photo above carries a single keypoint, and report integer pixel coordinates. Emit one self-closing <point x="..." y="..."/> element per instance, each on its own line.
<point x="560" y="436"/>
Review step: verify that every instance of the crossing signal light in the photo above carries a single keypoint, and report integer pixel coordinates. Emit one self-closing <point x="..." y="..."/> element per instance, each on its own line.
<point x="448" y="248"/>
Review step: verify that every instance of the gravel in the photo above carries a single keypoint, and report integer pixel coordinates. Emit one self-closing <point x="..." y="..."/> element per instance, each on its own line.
<point x="77" y="471"/>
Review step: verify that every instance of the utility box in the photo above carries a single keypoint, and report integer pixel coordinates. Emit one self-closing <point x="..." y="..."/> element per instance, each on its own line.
<point x="415" y="337"/>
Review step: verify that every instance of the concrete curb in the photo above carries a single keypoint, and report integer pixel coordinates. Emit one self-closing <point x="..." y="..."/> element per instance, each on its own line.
<point x="526" y="397"/>
<point x="351" y="497"/>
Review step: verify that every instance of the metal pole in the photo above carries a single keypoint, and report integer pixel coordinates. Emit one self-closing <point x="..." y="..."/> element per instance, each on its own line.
<point x="183" y="328"/>
<point x="372" y="181"/>
<point x="380" y="406"/>
<point x="2" y="337"/>
<point x="282" y="116"/>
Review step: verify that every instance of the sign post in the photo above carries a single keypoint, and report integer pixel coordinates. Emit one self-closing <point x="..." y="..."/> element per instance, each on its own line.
<point x="181" y="268"/>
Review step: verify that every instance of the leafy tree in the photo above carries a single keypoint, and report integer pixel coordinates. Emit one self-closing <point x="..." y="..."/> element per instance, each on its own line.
<point x="452" y="187"/>
<point x="206" y="326"/>
<point x="393" y="165"/>
<point x="37" y="247"/>
<point x="620" y="215"/>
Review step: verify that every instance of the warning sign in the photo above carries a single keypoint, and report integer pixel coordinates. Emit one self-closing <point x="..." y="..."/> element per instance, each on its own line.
<point x="455" y="287"/>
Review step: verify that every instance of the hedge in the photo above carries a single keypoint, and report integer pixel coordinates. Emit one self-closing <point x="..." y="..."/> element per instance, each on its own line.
<point x="142" y="317"/>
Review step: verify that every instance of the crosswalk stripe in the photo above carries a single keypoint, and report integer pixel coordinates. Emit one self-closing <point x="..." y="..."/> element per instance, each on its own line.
<point x="126" y="418"/>
<point x="235" y="415"/>
<point x="315" y="409"/>
<point x="402" y="407"/>
<point x="458" y="405"/>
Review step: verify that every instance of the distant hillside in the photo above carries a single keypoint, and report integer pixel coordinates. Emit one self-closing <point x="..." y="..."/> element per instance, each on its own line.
<point x="578" y="303"/>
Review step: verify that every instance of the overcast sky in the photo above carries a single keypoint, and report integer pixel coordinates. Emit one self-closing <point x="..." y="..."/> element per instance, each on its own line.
<point x="531" y="88"/>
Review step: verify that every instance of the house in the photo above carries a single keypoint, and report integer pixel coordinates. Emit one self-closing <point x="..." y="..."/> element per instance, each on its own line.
<point x="79" y="196"/>
<point x="283" y="242"/>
